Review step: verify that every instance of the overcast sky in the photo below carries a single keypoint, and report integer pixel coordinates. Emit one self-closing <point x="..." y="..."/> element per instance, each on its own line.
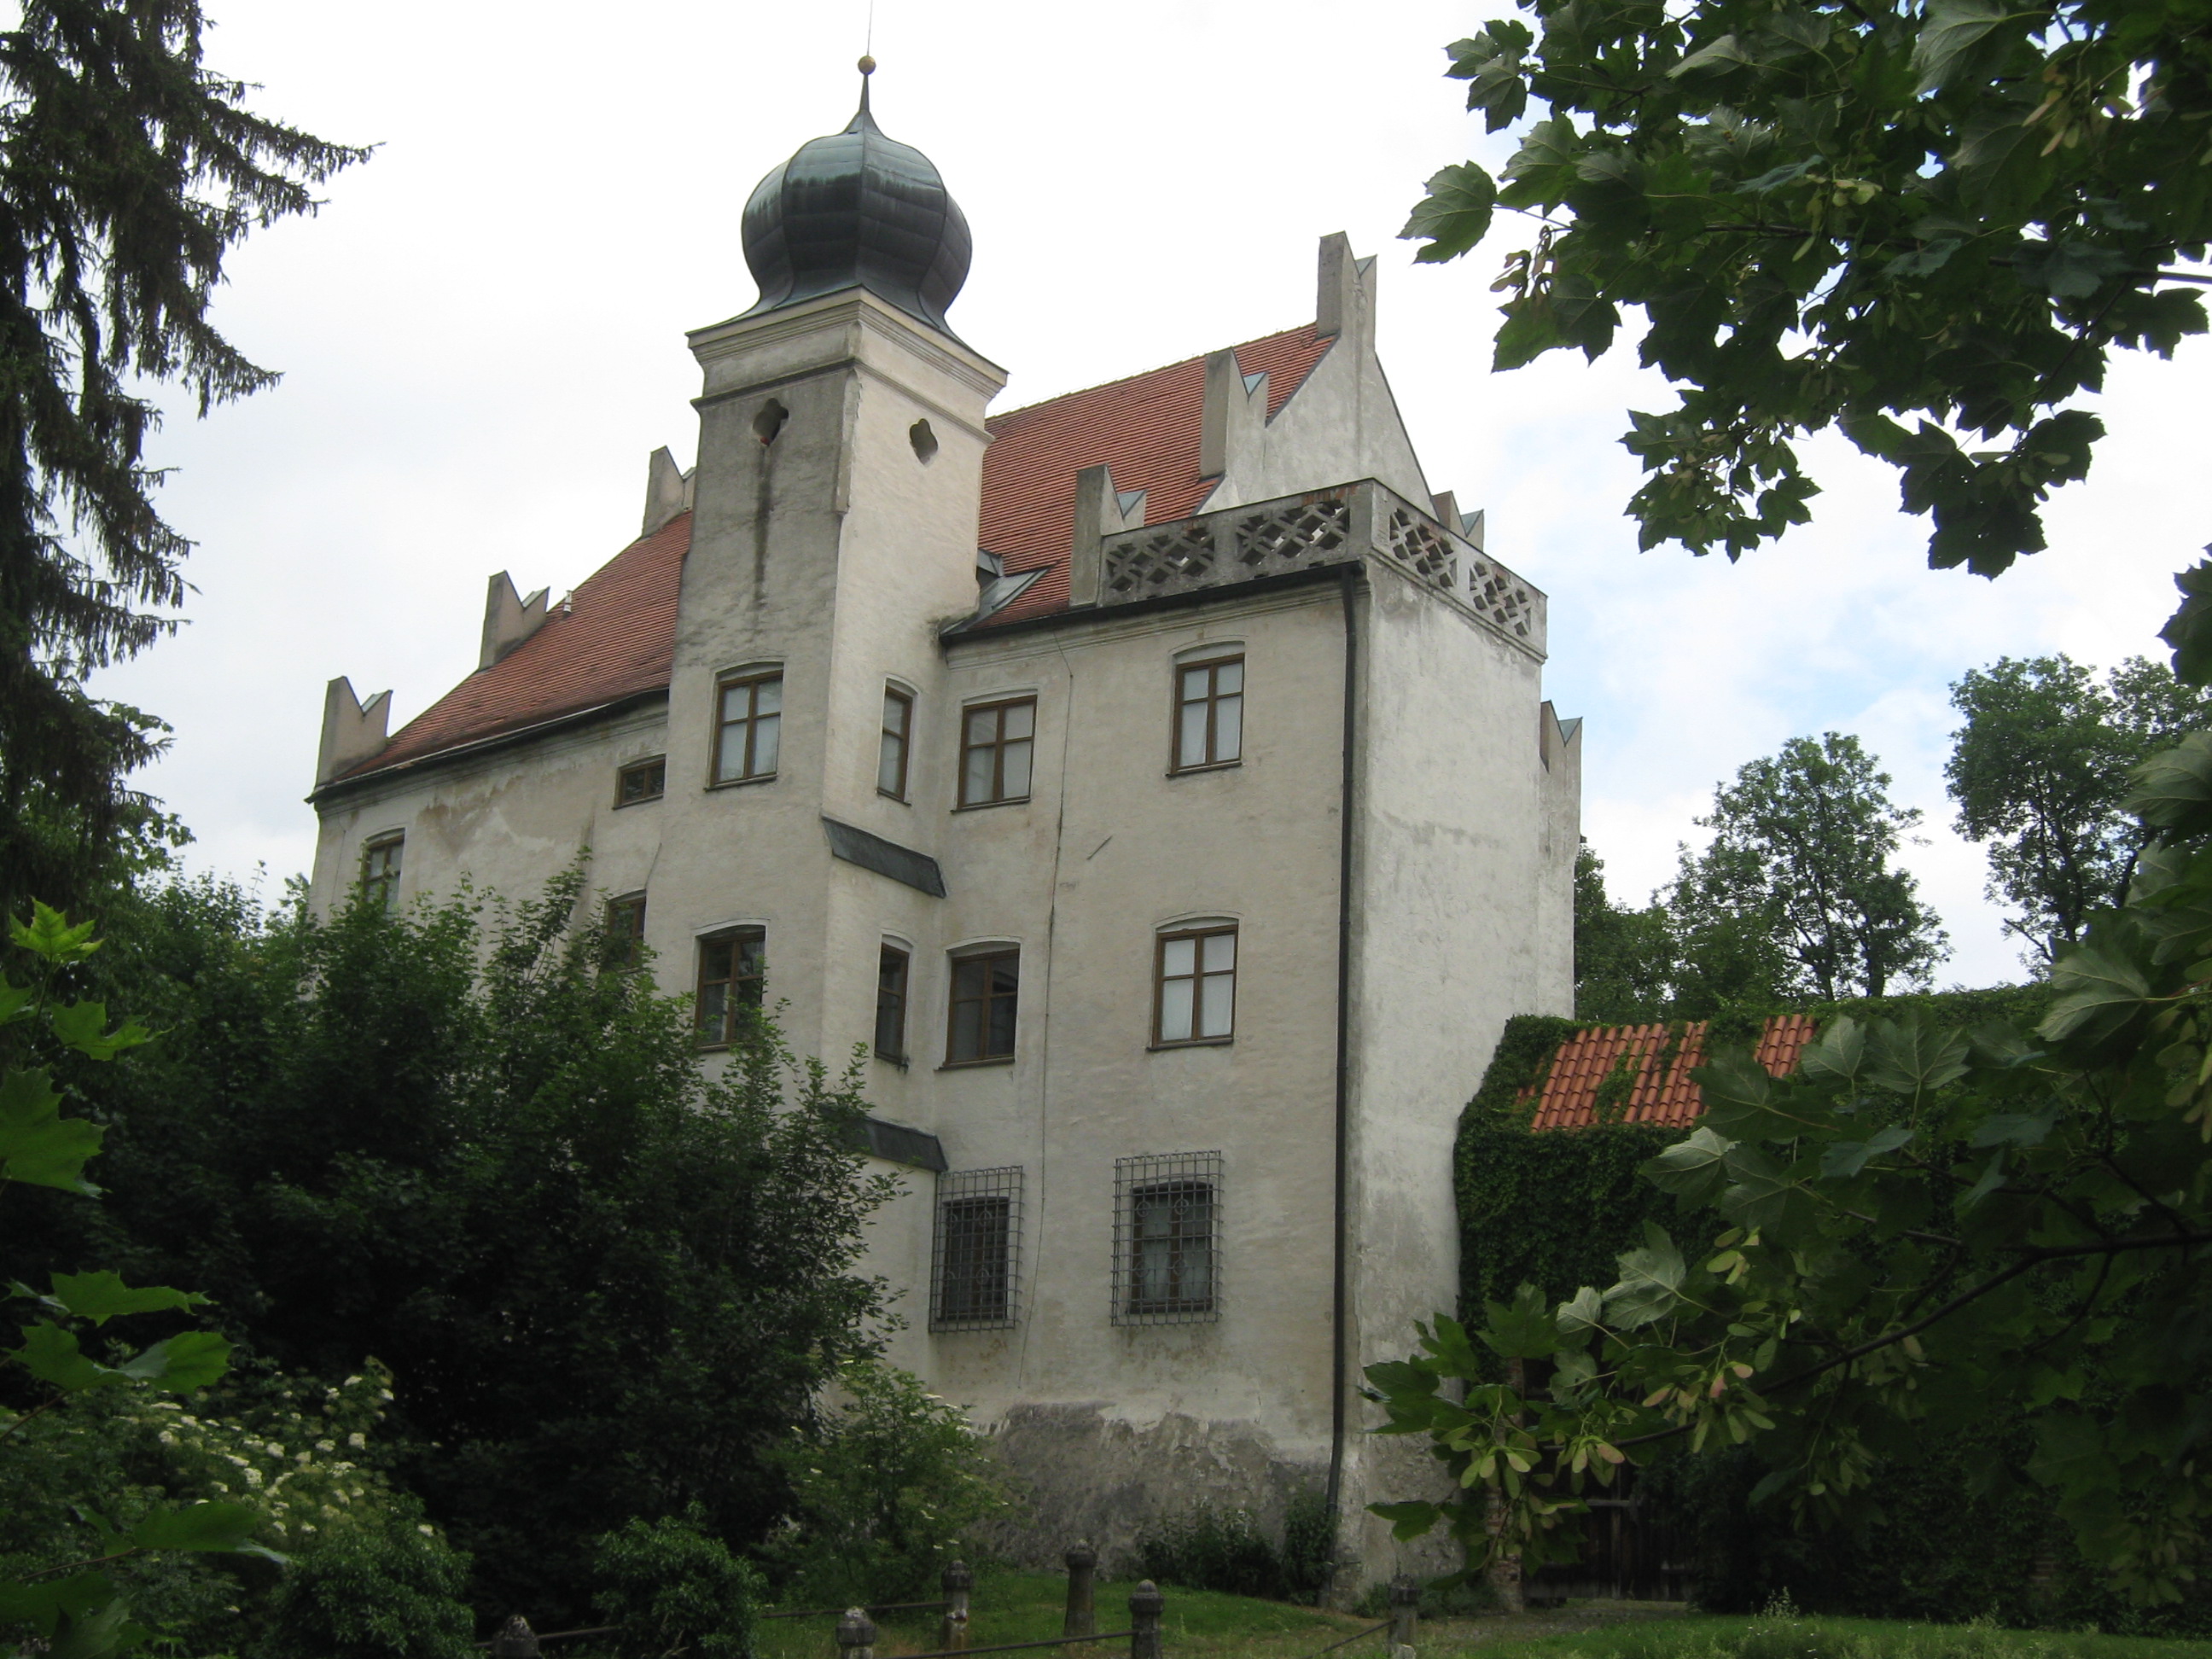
<point x="480" y="336"/>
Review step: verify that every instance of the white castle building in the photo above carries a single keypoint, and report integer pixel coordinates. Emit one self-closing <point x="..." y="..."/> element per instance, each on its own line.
<point x="1156" y="779"/>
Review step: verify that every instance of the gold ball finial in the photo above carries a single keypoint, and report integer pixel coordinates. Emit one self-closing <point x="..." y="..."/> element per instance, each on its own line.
<point x="867" y="65"/>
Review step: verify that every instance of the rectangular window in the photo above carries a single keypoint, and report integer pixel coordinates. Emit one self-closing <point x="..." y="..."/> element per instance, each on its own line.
<point x="984" y="991"/>
<point x="1209" y="714"/>
<point x="731" y="966"/>
<point x="626" y="931"/>
<point x="891" y="1005"/>
<point x="1167" y="1225"/>
<point x="749" y="725"/>
<point x="890" y="759"/>
<point x="996" y="742"/>
<point x="976" y="1256"/>
<point x="645" y="779"/>
<point x="379" y="869"/>
<point x="1196" y="996"/>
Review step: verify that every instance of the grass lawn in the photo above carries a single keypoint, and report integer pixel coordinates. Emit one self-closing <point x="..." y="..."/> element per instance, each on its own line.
<point x="1024" y="1606"/>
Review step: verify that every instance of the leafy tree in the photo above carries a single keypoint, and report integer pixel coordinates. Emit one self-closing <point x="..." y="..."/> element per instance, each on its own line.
<point x="673" y="1590"/>
<point x="1923" y="1229"/>
<point x="128" y="171"/>
<point x="1847" y="213"/>
<point x="2040" y="771"/>
<point x="887" y="1484"/>
<point x="1624" y="958"/>
<point x="606" y="1282"/>
<point x="1799" y="867"/>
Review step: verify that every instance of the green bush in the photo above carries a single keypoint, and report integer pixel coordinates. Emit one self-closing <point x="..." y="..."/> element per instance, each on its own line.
<point x="377" y="1587"/>
<point x="1225" y="1550"/>
<point x="674" y="1589"/>
<point x="888" y="1483"/>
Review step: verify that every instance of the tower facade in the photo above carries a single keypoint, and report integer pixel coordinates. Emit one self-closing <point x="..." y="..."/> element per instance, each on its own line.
<point x="1155" y="780"/>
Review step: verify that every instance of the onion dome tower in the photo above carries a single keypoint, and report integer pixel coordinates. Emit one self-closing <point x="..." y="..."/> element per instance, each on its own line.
<point x="857" y="210"/>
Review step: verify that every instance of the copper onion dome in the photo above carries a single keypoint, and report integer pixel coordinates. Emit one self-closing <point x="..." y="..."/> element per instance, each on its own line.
<point x="857" y="210"/>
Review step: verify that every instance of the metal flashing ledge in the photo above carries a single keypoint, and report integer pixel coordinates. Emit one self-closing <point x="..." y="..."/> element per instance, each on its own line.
<point x="886" y="858"/>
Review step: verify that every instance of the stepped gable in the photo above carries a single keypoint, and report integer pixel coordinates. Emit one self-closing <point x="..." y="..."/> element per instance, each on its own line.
<point x="1585" y="1059"/>
<point x="613" y="638"/>
<point x="1145" y="429"/>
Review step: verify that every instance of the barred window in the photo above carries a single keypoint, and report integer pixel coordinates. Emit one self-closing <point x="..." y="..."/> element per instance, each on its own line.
<point x="748" y="727"/>
<point x="1167" y="1239"/>
<point x="379" y="869"/>
<point x="1209" y="714"/>
<point x="975" y="1258"/>
<point x="731" y="966"/>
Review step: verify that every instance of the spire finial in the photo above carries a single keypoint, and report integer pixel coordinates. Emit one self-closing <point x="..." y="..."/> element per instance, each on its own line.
<point x="867" y="67"/>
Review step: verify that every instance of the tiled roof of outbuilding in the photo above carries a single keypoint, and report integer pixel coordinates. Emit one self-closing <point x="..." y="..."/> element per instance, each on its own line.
<point x="1146" y="428"/>
<point x="613" y="639"/>
<point x="1569" y="1097"/>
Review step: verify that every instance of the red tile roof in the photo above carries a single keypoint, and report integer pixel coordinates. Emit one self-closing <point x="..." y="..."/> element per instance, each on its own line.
<point x="1146" y="428"/>
<point x="1569" y="1100"/>
<point x="616" y="636"/>
<point x="613" y="639"/>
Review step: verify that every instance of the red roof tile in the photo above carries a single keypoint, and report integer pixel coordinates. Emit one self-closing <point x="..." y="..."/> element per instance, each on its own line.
<point x="1569" y="1100"/>
<point x="613" y="639"/>
<point x="1146" y="428"/>
<point x="616" y="636"/>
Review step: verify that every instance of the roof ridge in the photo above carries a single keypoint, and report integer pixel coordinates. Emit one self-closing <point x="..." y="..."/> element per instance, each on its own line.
<point x="1175" y="362"/>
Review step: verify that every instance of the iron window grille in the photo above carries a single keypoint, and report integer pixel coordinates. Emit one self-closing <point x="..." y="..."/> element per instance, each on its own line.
<point x="1167" y="1239"/>
<point x="625" y="946"/>
<point x="1195" y="987"/>
<point x="890" y="1005"/>
<point x="1209" y="714"/>
<point x="975" y="1275"/>
<point x="898" y="730"/>
<point x="748" y="727"/>
<point x="642" y="780"/>
<point x="980" y="1014"/>
<point x="379" y="869"/>
<point x="731" y="969"/>
<point x="996" y="741"/>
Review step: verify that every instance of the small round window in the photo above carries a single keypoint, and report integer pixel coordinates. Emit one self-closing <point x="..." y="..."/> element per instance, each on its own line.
<point x="770" y="421"/>
<point x="924" y="441"/>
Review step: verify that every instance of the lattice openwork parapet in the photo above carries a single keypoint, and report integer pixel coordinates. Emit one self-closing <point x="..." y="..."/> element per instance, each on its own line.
<point x="1292" y="535"/>
<point x="1423" y="548"/>
<point x="1166" y="560"/>
<point x="1505" y="598"/>
<point x="1167" y="1239"/>
<point x="975" y="1253"/>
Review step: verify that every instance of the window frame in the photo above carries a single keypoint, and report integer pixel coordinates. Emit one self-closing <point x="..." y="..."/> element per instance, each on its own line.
<point x="980" y="1191"/>
<point x="734" y="996"/>
<point x="630" y="932"/>
<point x="1148" y="1176"/>
<point x="904" y="738"/>
<point x="753" y="678"/>
<point x="998" y="746"/>
<point x="1177" y="704"/>
<point x="1198" y="934"/>
<point x="982" y="958"/>
<point x="904" y="997"/>
<point x="393" y="842"/>
<point x="624" y="774"/>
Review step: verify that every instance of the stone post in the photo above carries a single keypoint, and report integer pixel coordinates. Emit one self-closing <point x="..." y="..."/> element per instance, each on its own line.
<point x="515" y="1640"/>
<point x="1404" y="1612"/>
<point x="952" y="1635"/>
<point x="1082" y="1617"/>
<point x="856" y="1635"/>
<point x="1145" y="1606"/>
